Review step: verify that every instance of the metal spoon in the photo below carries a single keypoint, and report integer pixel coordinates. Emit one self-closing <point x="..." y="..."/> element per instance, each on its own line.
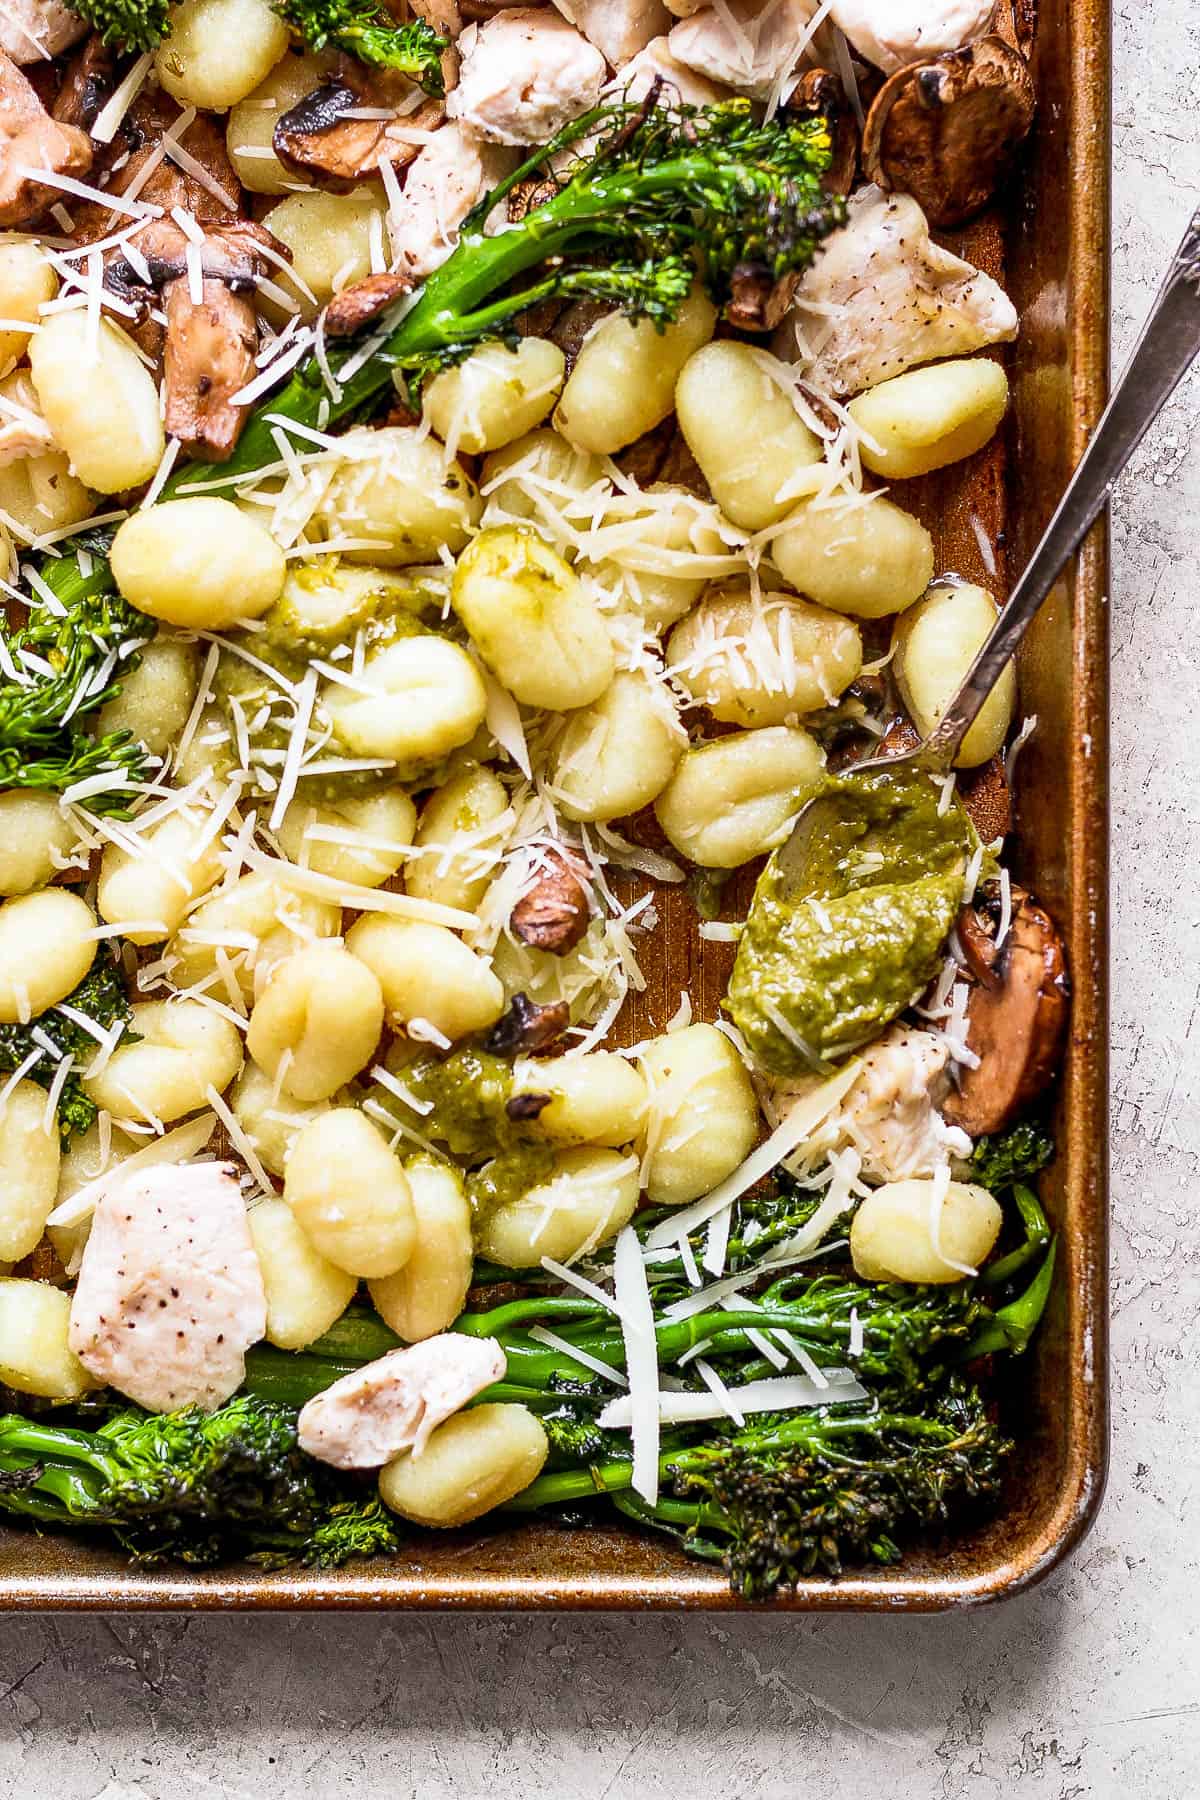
<point x="1169" y="341"/>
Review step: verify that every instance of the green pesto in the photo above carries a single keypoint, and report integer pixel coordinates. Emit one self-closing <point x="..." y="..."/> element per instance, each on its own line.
<point x="886" y="877"/>
<point x="324" y="608"/>
<point x="469" y="1091"/>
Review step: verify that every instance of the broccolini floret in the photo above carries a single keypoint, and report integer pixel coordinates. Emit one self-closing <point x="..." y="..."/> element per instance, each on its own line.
<point x="101" y="996"/>
<point x="1011" y="1156"/>
<point x="193" y="1487"/>
<point x="365" y="29"/>
<point x="61" y="665"/>
<point x="139" y="25"/>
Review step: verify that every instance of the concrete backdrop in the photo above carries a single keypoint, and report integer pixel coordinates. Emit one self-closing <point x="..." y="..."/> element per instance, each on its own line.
<point x="1090" y="1686"/>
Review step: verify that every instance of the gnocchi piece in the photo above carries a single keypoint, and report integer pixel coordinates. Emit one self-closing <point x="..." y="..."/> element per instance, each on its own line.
<point x="865" y="560"/>
<point x="398" y="499"/>
<point x="34" y="1355"/>
<point x="936" y="642"/>
<point x="27" y="283"/>
<point x="661" y="575"/>
<point x="219" y="50"/>
<point x="270" y="1120"/>
<point x="761" y="659"/>
<point x="47" y="946"/>
<point x="471" y="1463"/>
<point x="927" y="418"/>
<point x="40" y="494"/>
<point x="316" y="1022"/>
<point x="618" y="754"/>
<point x="148" y="894"/>
<point x="595" y="1098"/>
<point x="623" y="382"/>
<point x="35" y="835"/>
<point x="183" y="1050"/>
<point x="554" y="479"/>
<point x="200" y="562"/>
<point x="531" y="620"/>
<point x="100" y="401"/>
<point x="241" y="932"/>
<point x="428" y="1293"/>
<point x="737" y="414"/>
<point x="156" y="698"/>
<point x="461" y="832"/>
<point x="29" y="1166"/>
<point x="427" y="699"/>
<point x="735" y="797"/>
<point x="329" y="236"/>
<point x="350" y="1195"/>
<point x="375" y="831"/>
<point x="306" y="1294"/>
<point x="897" y="1235"/>
<point x="250" y="133"/>
<point x="495" y="395"/>
<point x="589" y="1196"/>
<point x="701" y="1117"/>
<point x="427" y="974"/>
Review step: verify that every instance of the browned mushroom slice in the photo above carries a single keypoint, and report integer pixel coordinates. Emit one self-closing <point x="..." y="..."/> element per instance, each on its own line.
<point x="1016" y="22"/>
<point x="356" y="306"/>
<point x="527" y="1026"/>
<point x="322" y="138"/>
<point x="31" y="142"/>
<point x="553" y="915"/>
<point x="818" y="94"/>
<point x="211" y="339"/>
<point x="987" y="799"/>
<point x="88" y="85"/>
<point x="444" y="15"/>
<point x="944" y="131"/>
<point x="757" y="301"/>
<point x="1016" y="1014"/>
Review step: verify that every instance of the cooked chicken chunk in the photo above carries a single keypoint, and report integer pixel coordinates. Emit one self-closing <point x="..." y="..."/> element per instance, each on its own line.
<point x="748" y="44"/>
<point x="38" y="30"/>
<point x="170" y="1295"/>
<point x="453" y="171"/>
<point x="525" y="74"/>
<point x="890" y="1115"/>
<point x="882" y="297"/>
<point x="618" y="28"/>
<point x="23" y="431"/>
<point x="31" y="139"/>
<point x="682" y="83"/>
<point x="891" y="33"/>
<point x="370" y="1416"/>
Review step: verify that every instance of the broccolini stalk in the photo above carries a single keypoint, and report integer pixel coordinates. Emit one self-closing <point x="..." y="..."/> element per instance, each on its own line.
<point x="191" y="1486"/>
<point x="365" y="29"/>
<point x="101" y="997"/>
<point x="668" y="191"/>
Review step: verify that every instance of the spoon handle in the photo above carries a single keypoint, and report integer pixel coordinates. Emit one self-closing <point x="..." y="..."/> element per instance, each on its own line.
<point x="1170" y="339"/>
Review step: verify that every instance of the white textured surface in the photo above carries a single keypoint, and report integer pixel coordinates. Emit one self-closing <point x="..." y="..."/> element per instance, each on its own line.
<point x="1089" y="1687"/>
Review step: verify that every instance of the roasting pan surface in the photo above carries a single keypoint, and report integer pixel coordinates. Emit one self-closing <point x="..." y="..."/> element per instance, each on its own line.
<point x="1049" y="242"/>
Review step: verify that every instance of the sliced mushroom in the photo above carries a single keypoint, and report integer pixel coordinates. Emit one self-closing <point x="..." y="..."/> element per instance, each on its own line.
<point x="31" y="139"/>
<point x="89" y="84"/>
<point x="211" y="340"/>
<point x="356" y="306"/>
<point x="945" y="131"/>
<point x="321" y="139"/>
<point x="1016" y="1014"/>
<point x="821" y="95"/>
<point x="1016" y="22"/>
<point x="527" y="1027"/>
<point x="553" y="915"/>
